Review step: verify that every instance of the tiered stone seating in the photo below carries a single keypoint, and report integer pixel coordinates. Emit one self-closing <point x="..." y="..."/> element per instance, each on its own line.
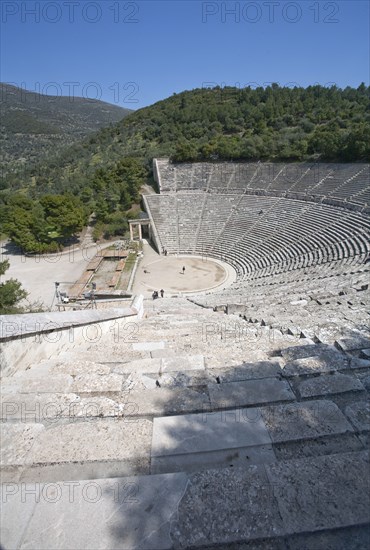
<point x="258" y="235"/>
<point x="183" y="177"/>
<point x="316" y="181"/>
<point x="214" y="216"/>
<point x="297" y="176"/>
<point x="342" y="182"/>
<point x="162" y="209"/>
<point x="195" y="430"/>
<point x="362" y="196"/>
<point x="164" y="173"/>
<point x="321" y="302"/>
<point x="188" y="219"/>
<point x="243" y="174"/>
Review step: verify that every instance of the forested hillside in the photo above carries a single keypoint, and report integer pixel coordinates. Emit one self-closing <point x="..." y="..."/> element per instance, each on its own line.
<point x="44" y="223"/>
<point x="270" y="123"/>
<point x="104" y="171"/>
<point x="35" y="126"/>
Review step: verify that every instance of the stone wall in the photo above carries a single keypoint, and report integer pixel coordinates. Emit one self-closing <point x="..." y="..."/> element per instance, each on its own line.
<point x="29" y="338"/>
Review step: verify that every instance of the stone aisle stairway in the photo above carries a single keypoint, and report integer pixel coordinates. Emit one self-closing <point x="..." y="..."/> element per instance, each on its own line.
<point x="189" y="429"/>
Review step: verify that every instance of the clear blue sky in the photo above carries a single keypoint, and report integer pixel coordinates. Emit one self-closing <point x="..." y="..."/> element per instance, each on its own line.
<point x="136" y="53"/>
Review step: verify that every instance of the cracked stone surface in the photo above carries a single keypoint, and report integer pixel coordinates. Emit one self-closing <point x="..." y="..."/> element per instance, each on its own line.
<point x="329" y="384"/>
<point x="359" y="415"/>
<point x="250" y="392"/>
<point x="295" y="421"/>
<point x="248" y="371"/>
<point x="162" y="401"/>
<point x="226" y="506"/>
<point x="102" y="440"/>
<point x="314" y="365"/>
<point x="17" y="441"/>
<point x="326" y="492"/>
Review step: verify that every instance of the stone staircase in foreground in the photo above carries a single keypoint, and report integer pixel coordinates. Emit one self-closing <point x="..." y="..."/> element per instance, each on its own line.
<point x="190" y="429"/>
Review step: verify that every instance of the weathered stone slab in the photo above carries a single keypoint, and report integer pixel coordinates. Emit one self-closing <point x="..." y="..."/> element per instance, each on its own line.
<point x="248" y="371"/>
<point x="208" y="431"/>
<point x="359" y="415"/>
<point x="329" y="384"/>
<point x="322" y="493"/>
<point x="250" y="392"/>
<point x="332" y="444"/>
<point x="365" y="380"/>
<point x="164" y="401"/>
<point x="191" y="362"/>
<point x="30" y="384"/>
<point x="149" y="381"/>
<point x="80" y="367"/>
<point x="184" y="378"/>
<point x="45" y="408"/>
<point x="358" y="363"/>
<point x="96" y="440"/>
<point x="18" y="502"/>
<point x="327" y="333"/>
<point x="225" y="458"/>
<point x="158" y="365"/>
<point x="204" y="440"/>
<point x="298" y="302"/>
<point x="350" y="538"/>
<point x="95" y="384"/>
<point x="314" y="365"/>
<point x="365" y="353"/>
<point x="139" y="365"/>
<point x="223" y="506"/>
<point x="310" y="350"/>
<point x="159" y="353"/>
<point x="17" y="442"/>
<point x="365" y="439"/>
<point x="357" y="341"/>
<point x="185" y="322"/>
<point x="133" y="513"/>
<point x="148" y="346"/>
<point x="296" y="421"/>
<point x="48" y="409"/>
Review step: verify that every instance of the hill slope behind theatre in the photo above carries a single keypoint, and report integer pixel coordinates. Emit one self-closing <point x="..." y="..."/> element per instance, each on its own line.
<point x="329" y="124"/>
<point x="34" y="126"/>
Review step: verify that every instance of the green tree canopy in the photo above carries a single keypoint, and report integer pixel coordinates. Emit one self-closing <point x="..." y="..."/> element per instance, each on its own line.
<point x="11" y="292"/>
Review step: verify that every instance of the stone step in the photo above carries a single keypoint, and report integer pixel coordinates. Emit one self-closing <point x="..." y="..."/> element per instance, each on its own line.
<point x="248" y="371"/>
<point x="144" y="394"/>
<point x="329" y="384"/>
<point x="357" y="341"/>
<point x="108" y="365"/>
<point x="242" y="435"/>
<point x="310" y="349"/>
<point x="182" y="379"/>
<point x="270" y="506"/>
<point x="45" y="438"/>
<point x="322" y="364"/>
<point x="160" y="365"/>
<point x="49" y="408"/>
<point x="249" y="392"/>
<point x="124" y="512"/>
<point x="82" y="384"/>
<point x="92" y="448"/>
<point x="219" y="356"/>
<point x="276" y="500"/>
<point x="147" y="387"/>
